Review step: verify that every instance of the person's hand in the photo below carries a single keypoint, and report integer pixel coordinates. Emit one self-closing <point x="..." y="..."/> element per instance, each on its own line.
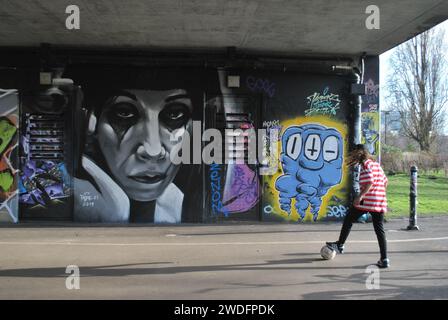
<point x="107" y="202"/>
<point x="357" y="200"/>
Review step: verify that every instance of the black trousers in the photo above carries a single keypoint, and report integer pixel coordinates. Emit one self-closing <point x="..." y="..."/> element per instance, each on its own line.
<point x="377" y="219"/>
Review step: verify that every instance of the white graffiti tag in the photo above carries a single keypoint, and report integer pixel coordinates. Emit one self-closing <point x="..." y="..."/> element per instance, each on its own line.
<point x="339" y="211"/>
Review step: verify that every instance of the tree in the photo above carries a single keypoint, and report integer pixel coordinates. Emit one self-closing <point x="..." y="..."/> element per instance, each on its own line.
<point x="418" y="86"/>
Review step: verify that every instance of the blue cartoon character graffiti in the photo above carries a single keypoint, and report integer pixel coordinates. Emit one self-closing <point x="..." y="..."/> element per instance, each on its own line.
<point x="312" y="163"/>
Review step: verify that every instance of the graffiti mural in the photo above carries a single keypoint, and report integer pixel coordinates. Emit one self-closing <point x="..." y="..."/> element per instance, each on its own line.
<point x="44" y="179"/>
<point x="136" y="151"/>
<point x="99" y="149"/>
<point x="234" y="190"/>
<point x="312" y="178"/>
<point x="370" y="116"/>
<point x="238" y="192"/>
<point x="370" y="132"/>
<point x="125" y="172"/>
<point x="243" y="191"/>
<point x="9" y="111"/>
<point x="312" y="163"/>
<point x="372" y="94"/>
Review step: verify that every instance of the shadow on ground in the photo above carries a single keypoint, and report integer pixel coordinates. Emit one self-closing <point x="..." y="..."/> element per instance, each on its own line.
<point x="167" y="268"/>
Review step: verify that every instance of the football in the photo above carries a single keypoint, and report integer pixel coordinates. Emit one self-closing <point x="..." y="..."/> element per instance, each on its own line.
<point x="327" y="253"/>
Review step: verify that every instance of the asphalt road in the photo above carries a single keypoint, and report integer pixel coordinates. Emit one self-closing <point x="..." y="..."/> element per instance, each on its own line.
<point x="231" y="261"/>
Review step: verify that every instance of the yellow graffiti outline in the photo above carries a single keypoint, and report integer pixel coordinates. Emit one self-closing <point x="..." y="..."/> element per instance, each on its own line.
<point x="337" y="190"/>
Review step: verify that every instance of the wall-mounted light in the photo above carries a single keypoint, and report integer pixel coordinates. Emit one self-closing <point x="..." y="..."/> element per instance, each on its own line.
<point x="233" y="81"/>
<point x="45" y="78"/>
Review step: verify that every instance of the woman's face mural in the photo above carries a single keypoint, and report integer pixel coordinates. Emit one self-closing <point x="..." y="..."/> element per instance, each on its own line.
<point x="135" y="131"/>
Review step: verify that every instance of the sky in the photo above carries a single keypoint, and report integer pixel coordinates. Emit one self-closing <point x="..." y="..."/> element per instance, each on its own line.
<point x="384" y="66"/>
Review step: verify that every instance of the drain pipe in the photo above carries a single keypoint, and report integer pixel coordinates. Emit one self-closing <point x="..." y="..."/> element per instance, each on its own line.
<point x="357" y="89"/>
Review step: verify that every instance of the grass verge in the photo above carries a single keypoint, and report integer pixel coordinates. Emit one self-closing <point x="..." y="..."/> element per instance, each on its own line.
<point x="432" y="195"/>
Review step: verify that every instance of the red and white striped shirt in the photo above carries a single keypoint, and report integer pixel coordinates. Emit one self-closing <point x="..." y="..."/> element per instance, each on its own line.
<point x="375" y="199"/>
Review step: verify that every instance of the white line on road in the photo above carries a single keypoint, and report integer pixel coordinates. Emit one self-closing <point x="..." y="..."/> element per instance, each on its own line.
<point x="69" y="243"/>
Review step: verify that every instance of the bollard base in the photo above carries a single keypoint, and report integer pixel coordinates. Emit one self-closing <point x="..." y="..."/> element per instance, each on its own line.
<point x="410" y="228"/>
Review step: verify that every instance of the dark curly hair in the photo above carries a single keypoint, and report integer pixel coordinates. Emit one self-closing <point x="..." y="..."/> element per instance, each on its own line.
<point x="358" y="155"/>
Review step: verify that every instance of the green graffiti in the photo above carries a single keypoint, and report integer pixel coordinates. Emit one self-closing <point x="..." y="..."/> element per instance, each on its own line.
<point x="7" y="131"/>
<point x="6" y="180"/>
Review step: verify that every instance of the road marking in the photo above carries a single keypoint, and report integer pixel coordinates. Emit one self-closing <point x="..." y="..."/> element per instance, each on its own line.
<point x="153" y="244"/>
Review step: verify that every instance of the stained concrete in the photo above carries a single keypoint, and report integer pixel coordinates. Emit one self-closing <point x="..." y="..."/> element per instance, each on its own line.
<point x="232" y="261"/>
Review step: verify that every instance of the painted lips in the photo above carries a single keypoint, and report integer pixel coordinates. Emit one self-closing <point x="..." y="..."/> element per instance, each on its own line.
<point x="148" y="179"/>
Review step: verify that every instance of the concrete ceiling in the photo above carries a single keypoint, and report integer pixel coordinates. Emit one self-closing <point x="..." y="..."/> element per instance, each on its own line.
<point x="270" y="26"/>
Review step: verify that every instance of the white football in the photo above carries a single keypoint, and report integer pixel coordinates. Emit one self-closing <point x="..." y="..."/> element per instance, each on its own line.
<point x="327" y="253"/>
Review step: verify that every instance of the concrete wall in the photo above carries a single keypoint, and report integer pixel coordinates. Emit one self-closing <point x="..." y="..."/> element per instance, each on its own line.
<point x="99" y="150"/>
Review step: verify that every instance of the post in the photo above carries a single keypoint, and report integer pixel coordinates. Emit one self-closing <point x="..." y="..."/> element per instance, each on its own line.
<point x="413" y="200"/>
<point x="356" y="102"/>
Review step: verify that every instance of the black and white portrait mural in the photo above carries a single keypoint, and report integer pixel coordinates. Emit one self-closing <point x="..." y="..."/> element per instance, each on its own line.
<point x="130" y="117"/>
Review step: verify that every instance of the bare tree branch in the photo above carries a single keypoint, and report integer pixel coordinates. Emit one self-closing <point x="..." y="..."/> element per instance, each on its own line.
<point x="418" y="86"/>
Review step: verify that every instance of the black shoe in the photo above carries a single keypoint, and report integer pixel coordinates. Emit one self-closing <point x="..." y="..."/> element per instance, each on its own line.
<point x="383" y="263"/>
<point x="336" y="247"/>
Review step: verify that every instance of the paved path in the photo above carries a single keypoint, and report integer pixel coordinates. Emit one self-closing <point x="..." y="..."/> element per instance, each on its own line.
<point x="232" y="261"/>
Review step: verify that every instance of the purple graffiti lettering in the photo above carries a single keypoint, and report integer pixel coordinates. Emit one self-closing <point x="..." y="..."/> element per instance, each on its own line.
<point x="261" y="85"/>
<point x="215" y="184"/>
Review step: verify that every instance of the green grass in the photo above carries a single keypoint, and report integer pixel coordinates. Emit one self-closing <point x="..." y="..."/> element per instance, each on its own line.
<point x="432" y="195"/>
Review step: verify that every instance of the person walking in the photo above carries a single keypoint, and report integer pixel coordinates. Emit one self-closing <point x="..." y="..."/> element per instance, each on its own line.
<point x="372" y="199"/>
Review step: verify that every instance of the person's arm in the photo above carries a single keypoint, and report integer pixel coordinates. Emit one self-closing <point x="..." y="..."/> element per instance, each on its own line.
<point x="366" y="181"/>
<point x="366" y="187"/>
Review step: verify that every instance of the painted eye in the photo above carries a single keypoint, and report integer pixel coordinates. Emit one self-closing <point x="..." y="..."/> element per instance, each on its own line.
<point x="125" y="114"/>
<point x="124" y="111"/>
<point x="175" y="115"/>
<point x="312" y="147"/>
<point x="330" y="148"/>
<point x="294" y="146"/>
<point x="122" y="116"/>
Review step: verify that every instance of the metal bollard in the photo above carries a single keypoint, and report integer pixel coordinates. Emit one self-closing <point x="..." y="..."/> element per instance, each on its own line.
<point x="413" y="200"/>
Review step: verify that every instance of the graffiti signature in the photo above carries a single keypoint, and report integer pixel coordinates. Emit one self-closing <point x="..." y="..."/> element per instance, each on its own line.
<point x="88" y="200"/>
<point x="338" y="211"/>
<point x="216" y="190"/>
<point x="325" y="103"/>
<point x="271" y="124"/>
<point x="261" y="85"/>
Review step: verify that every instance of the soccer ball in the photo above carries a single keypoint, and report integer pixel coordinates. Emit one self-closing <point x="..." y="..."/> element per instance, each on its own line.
<point x="327" y="253"/>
